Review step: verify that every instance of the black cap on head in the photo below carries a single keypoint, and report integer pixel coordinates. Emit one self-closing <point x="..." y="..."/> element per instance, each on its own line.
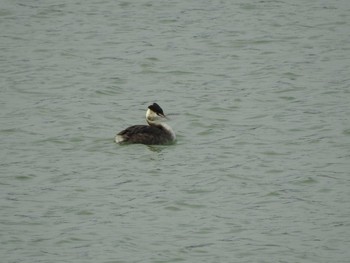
<point x="156" y="108"/>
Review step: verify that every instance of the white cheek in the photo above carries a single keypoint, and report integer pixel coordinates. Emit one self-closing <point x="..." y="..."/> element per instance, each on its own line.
<point x="151" y="115"/>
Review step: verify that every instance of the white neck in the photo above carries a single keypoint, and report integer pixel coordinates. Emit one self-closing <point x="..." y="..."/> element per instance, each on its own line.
<point x="169" y="129"/>
<point x="153" y="119"/>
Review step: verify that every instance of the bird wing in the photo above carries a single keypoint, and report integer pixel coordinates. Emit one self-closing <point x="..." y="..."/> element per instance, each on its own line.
<point x="141" y="134"/>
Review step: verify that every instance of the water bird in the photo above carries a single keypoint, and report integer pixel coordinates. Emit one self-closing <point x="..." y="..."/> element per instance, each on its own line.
<point x="156" y="132"/>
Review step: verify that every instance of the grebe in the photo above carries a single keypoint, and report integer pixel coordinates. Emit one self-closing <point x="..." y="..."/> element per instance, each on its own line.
<point x="156" y="132"/>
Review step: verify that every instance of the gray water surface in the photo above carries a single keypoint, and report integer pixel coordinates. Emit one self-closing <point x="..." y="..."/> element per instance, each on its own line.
<point x="258" y="93"/>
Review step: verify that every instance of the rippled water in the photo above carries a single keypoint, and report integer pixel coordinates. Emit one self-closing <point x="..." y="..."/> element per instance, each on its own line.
<point x="258" y="93"/>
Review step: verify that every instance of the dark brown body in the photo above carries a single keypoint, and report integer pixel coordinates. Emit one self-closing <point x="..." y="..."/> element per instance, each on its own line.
<point x="145" y="134"/>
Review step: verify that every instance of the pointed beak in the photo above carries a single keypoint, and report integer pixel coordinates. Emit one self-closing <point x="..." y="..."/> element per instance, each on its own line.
<point x="162" y="115"/>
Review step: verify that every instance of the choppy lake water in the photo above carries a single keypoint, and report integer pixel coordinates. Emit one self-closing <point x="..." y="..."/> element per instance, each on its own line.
<point x="258" y="93"/>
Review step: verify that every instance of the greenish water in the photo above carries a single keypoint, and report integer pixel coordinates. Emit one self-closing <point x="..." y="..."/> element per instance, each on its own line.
<point x="258" y="94"/>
